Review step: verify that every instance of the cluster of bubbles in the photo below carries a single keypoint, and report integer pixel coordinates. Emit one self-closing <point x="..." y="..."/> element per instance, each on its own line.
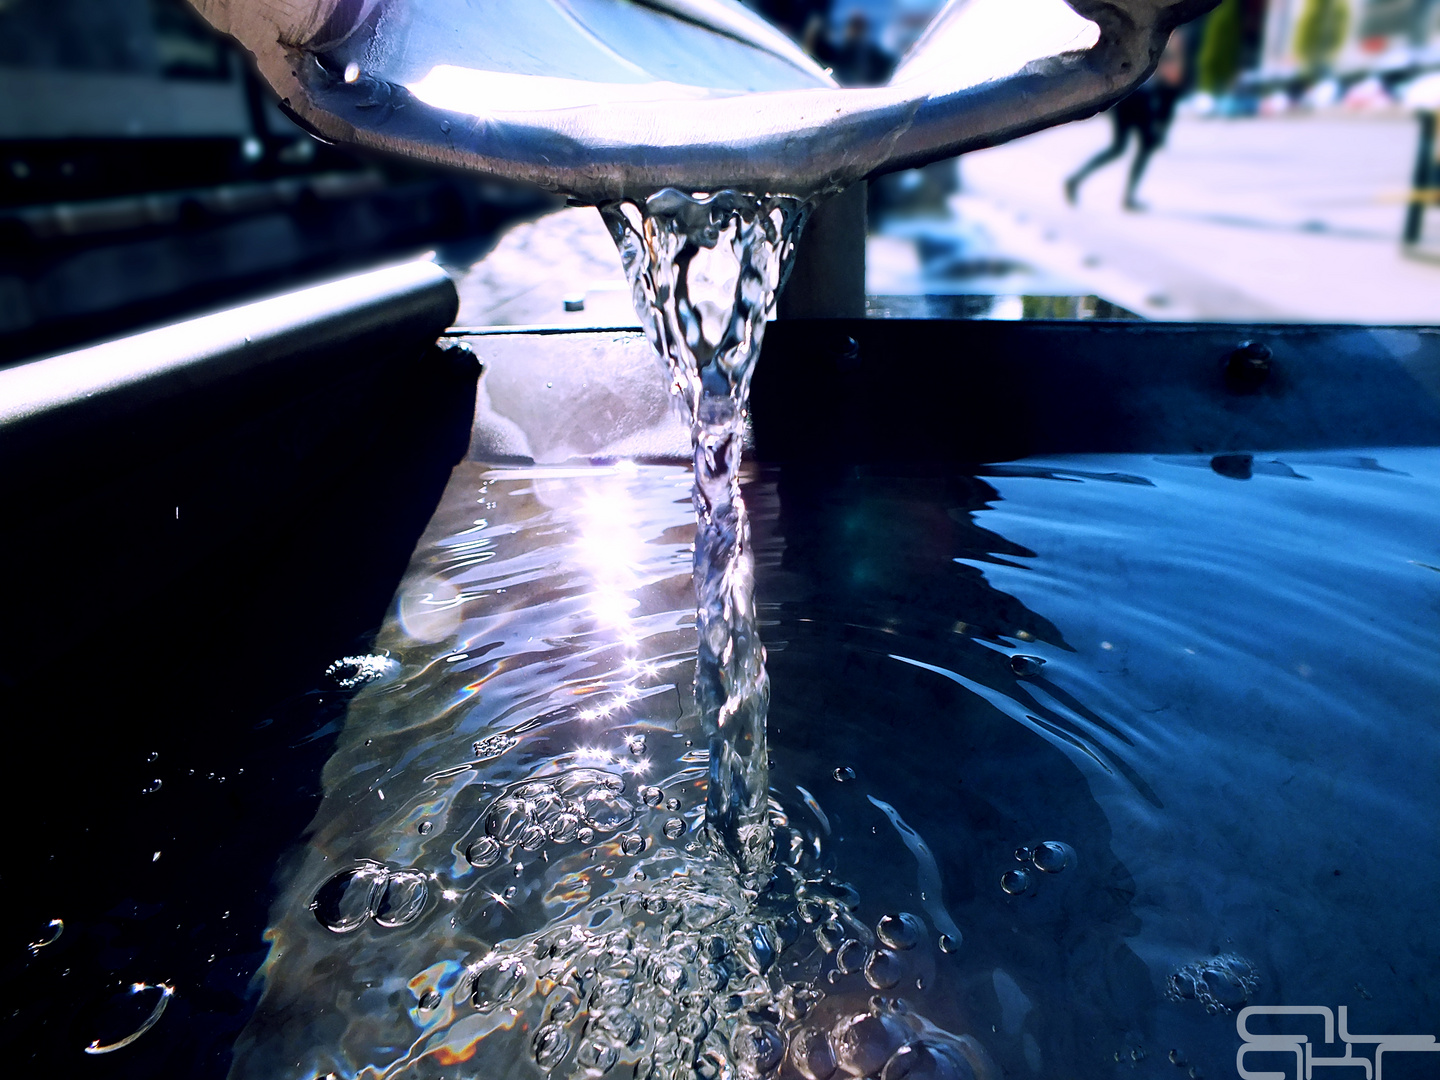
<point x="1046" y="857"/>
<point x="1222" y="984"/>
<point x="371" y="890"/>
<point x="678" y="969"/>
<point x="700" y="978"/>
<point x="352" y="672"/>
<point x="576" y="806"/>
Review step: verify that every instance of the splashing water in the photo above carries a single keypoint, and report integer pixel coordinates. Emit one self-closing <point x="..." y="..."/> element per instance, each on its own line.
<point x="704" y="272"/>
<point x="587" y="923"/>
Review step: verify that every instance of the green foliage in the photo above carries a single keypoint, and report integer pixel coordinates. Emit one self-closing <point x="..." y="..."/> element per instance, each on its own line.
<point x="1319" y="33"/>
<point x="1219" y="59"/>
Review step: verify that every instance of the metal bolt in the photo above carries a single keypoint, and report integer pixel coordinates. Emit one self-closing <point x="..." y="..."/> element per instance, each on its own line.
<point x="1248" y="366"/>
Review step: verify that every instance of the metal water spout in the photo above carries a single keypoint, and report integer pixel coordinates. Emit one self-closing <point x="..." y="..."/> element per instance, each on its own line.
<point x="617" y="99"/>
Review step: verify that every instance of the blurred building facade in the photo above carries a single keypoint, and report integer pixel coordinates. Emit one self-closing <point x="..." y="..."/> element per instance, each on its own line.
<point x="1366" y="36"/>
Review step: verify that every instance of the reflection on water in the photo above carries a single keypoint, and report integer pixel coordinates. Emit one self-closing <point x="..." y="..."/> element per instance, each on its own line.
<point x="1209" y="779"/>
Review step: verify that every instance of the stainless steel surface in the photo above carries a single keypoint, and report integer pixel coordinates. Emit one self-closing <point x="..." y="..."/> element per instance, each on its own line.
<point x="605" y="100"/>
<point x="74" y="392"/>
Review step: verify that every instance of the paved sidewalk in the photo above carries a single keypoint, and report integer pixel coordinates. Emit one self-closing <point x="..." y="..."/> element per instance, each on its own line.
<point x="1294" y="218"/>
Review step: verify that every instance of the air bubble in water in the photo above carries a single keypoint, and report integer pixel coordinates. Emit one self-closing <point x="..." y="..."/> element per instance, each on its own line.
<point x="1052" y="856"/>
<point x="355" y="671"/>
<point x="152" y="787"/>
<point x="902" y="931"/>
<point x="631" y="844"/>
<point x="758" y="1048"/>
<point x="153" y="757"/>
<point x="585" y="834"/>
<point x="651" y="796"/>
<point x="430" y="1000"/>
<point x="864" y="1042"/>
<point x="425" y="828"/>
<point x="1026" y="667"/>
<point x="850" y="956"/>
<point x="496" y="983"/>
<point x="483" y="852"/>
<point x="883" y="969"/>
<point x="1014" y="882"/>
<point x="596" y="1055"/>
<point x="53" y="929"/>
<point x="551" y="1044"/>
<point x="402" y="899"/>
<point x="349" y="898"/>
<point x="672" y="805"/>
<point x="844" y="774"/>
<point x="636" y="745"/>
<point x="165" y="992"/>
<point x="812" y="1055"/>
<point x="948" y="944"/>
<point x="674" y="828"/>
<point x="922" y="1060"/>
<point x="1222" y="984"/>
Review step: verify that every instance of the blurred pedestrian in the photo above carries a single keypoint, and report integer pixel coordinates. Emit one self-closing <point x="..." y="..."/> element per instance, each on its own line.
<point x="1147" y="113"/>
<point x="857" y="59"/>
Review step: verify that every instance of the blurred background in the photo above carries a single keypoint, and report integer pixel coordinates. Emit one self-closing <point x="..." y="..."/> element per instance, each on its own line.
<point x="1281" y="165"/>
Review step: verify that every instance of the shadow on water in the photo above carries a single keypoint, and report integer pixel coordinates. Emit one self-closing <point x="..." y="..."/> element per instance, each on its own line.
<point x="851" y="568"/>
<point x="167" y="712"/>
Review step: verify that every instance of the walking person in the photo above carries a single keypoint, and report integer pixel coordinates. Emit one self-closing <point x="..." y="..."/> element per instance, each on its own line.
<point x="1147" y="112"/>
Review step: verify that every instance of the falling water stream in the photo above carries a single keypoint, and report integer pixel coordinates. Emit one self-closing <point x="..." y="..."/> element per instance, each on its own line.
<point x="600" y="917"/>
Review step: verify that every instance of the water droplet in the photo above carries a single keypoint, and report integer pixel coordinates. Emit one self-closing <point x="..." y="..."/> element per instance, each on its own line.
<point x="430" y="1000"/>
<point x="425" y="828"/>
<point x="153" y="756"/>
<point x="1014" y="882"/>
<point x="509" y="893"/>
<point x="651" y="796"/>
<point x="1026" y="667"/>
<point x="844" y="774"/>
<point x="402" y="899"/>
<point x="349" y="898"/>
<point x="445" y="127"/>
<point x="902" y="931"/>
<point x="636" y="745"/>
<point x="1022" y="854"/>
<point x="1052" y="856"/>
<point x="631" y="844"/>
<point x="1177" y="1058"/>
<point x="674" y="828"/>
<point x="672" y="805"/>
<point x="585" y="834"/>
<point x="948" y="944"/>
<point x="152" y="787"/>
<point x="483" y="852"/>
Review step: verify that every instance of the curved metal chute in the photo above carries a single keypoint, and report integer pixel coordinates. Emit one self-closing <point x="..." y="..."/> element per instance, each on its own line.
<point x="609" y="99"/>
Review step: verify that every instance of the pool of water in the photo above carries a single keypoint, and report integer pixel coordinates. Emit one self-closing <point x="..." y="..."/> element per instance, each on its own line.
<point x="1133" y="742"/>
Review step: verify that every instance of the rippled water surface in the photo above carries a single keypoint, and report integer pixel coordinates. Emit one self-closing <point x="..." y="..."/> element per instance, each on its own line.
<point x="1070" y="761"/>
